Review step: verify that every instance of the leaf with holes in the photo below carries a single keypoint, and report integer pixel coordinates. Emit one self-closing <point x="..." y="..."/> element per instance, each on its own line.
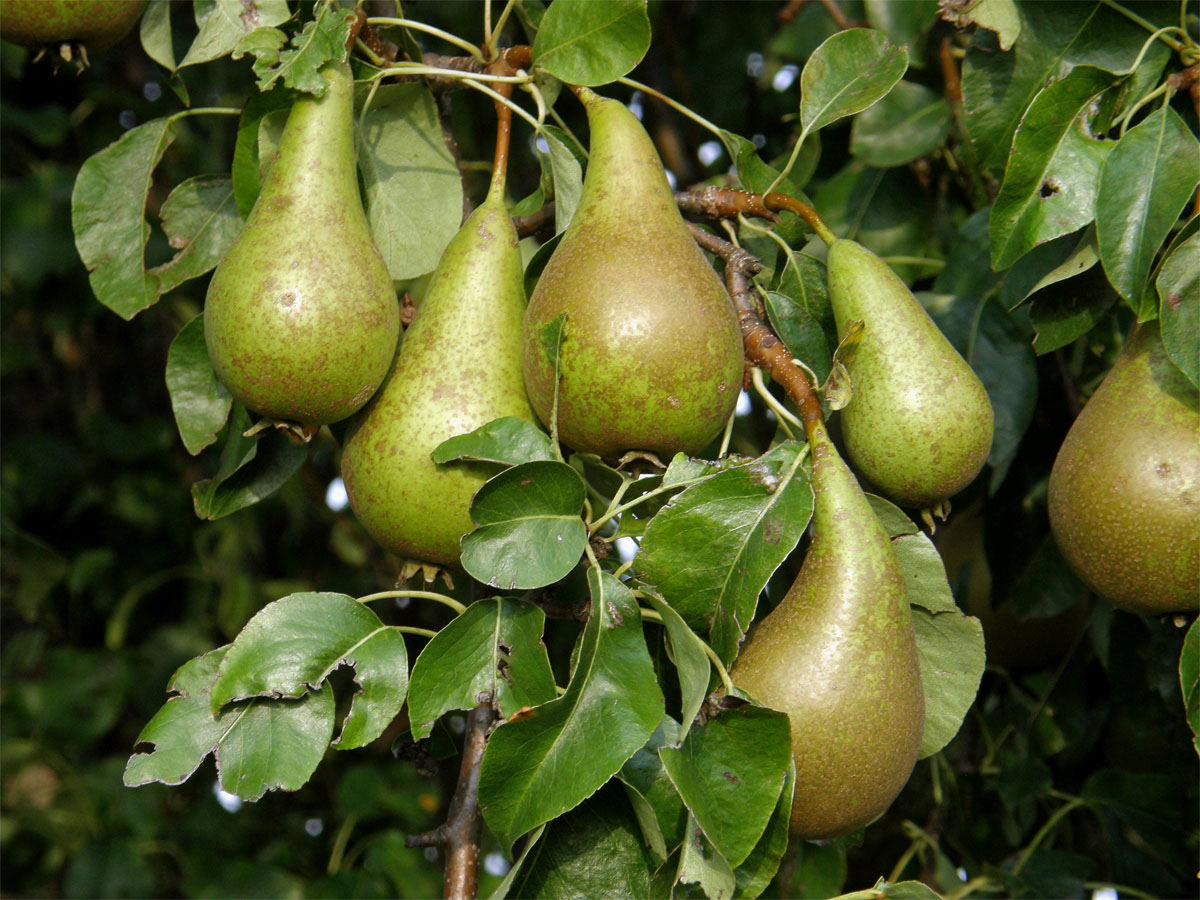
<point x="292" y="645"/>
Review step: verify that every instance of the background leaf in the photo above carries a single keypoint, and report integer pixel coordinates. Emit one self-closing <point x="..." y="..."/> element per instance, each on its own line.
<point x="592" y="42"/>
<point x="292" y="645"/>
<point x="1178" y="285"/>
<point x="909" y="122"/>
<point x="413" y="186"/>
<point x="200" y="402"/>
<point x="539" y="767"/>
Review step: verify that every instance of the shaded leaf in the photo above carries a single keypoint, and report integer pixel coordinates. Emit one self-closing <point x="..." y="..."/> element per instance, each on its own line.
<point x="999" y="16"/>
<point x="198" y="399"/>
<point x="702" y="864"/>
<point x="292" y="645"/>
<point x="757" y="870"/>
<point x="691" y="662"/>
<point x="1178" y="285"/>
<point x="908" y="123"/>
<point x="1189" y="680"/>
<point x="154" y="31"/>
<point x="494" y="647"/>
<point x="539" y="767"/>
<point x="413" y="186"/>
<point x="1069" y="310"/>
<point x="528" y="531"/>
<point x="800" y="331"/>
<point x="644" y="774"/>
<point x="592" y="42"/>
<point x="246" y="168"/>
<point x="729" y="772"/>
<point x="259" y="745"/>
<point x="566" y="166"/>
<point x="201" y="222"/>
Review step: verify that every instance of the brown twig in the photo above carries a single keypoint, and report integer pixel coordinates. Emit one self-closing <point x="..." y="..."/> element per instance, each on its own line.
<point x="763" y="349"/>
<point x="459" y="834"/>
<point x="839" y="17"/>
<point x="722" y="203"/>
<point x="534" y="222"/>
<point x="789" y="12"/>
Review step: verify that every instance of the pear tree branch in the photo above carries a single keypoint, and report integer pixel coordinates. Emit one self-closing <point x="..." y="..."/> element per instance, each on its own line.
<point x="459" y="834"/>
<point x="728" y="203"/>
<point x="763" y="348"/>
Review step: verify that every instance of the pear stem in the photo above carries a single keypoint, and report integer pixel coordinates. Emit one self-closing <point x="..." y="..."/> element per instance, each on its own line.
<point x="429" y="29"/>
<point x="763" y="348"/>
<point x="413" y="629"/>
<point x="775" y="201"/>
<point x="458" y="608"/>
<point x="503" y="138"/>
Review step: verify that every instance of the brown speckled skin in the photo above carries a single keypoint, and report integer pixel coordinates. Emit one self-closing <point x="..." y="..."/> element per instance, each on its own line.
<point x="301" y="319"/>
<point x="919" y="424"/>
<point x="1125" y="489"/>
<point x="98" y="24"/>
<point x="458" y="368"/>
<point x="839" y="656"/>
<point x="652" y="358"/>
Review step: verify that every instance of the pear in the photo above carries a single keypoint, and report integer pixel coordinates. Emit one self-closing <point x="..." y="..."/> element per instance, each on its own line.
<point x="652" y="354"/>
<point x="838" y="656"/>
<point x="1124" y="492"/>
<point x="301" y="319"/>
<point x="98" y="24"/>
<point x="919" y="423"/>
<point x="458" y="367"/>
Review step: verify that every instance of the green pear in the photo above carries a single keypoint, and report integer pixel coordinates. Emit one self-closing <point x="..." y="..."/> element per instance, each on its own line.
<point x="839" y="656"/>
<point x="98" y="24"/>
<point x="458" y="367"/>
<point x="652" y="355"/>
<point x="1125" y="489"/>
<point x="919" y="423"/>
<point x="301" y="318"/>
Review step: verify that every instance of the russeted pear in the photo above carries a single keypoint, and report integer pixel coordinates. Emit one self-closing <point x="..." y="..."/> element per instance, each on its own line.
<point x="301" y="319"/>
<point x="458" y="367"/>
<point x="919" y="423"/>
<point x="1124" y="492"/>
<point x="98" y="24"/>
<point x="839" y="656"/>
<point x="652" y="355"/>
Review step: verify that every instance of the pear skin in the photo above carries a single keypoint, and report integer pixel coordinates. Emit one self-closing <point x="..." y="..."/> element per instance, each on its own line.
<point x="919" y="424"/>
<point x="458" y="367"/>
<point x="838" y="655"/>
<point x="98" y="24"/>
<point x="301" y="320"/>
<point x="1124" y="493"/>
<point x="652" y="355"/>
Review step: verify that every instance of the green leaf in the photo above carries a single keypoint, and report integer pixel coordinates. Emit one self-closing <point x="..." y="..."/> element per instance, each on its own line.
<point x="757" y="870"/>
<point x="821" y="868"/>
<point x="644" y="775"/>
<point x="846" y="74"/>
<point x="509" y="441"/>
<point x="495" y="647"/>
<point x="949" y="644"/>
<point x="322" y="40"/>
<point x="900" y="890"/>
<point x="999" y="16"/>
<point x="1039" y="270"/>
<point x="592" y="42"/>
<point x="711" y="550"/>
<point x="566" y="166"/>
<point x="528" y="531"/>
<point x="702" y="864"/>
<point x="800" y="331"/>
<point x="518" y="867"/>
<point x="223" y="23"/>
<point x="910" y="122"/>
<point x="1189" y="679"/>
<point x="539" y="767"/>
<point x="201" y="222"/>
<point x="292" y="645"/>
<point x="259" y="746"/>
<point x="154" y="31"/>
<point x="251" y="468"/>
<point x="691" y="662"/>
<point x="730" y="772"/>
<point x="1069" y="310"/>
<point x="903" y="23"/>
<point x="1049" y="185"/>
<point x="413" y="186"/>
<point x="1055" y="37"/>
<point x="1178" y="285"/>
<point x="1144" y="185"/>
<point x="107" y="209"/>
<point x="756" y="176"/>
<point x="200" y="402"/>
<point x="594" y="851"/>
<point x="246" y="167"/>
